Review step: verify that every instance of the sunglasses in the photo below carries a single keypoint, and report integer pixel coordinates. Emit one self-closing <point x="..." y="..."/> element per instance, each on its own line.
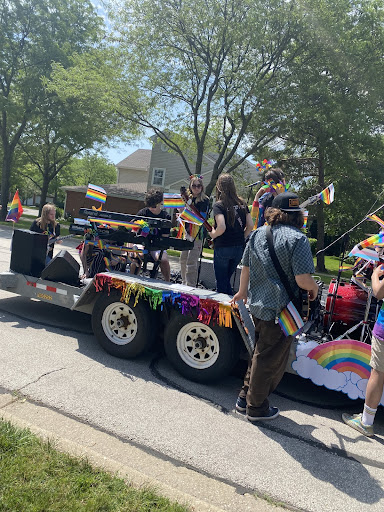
<point x="196" y="186"/>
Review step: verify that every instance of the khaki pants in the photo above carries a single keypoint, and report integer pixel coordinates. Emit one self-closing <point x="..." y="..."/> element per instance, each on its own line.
<point x="189" y="264"/>
<point x="267" y="366"/>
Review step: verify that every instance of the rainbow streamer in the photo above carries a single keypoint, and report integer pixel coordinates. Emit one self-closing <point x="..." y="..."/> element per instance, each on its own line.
<point x="372" y="240"/>
<point x="191" y="217"/>
<point x="328" y="194"/>
<point x="173" y="201"/>
<point x="290" y="320"/>
<point x="344" y="356"/>
<point x="15" y="210"/>
<point x="377" y="219"/>
<point x="96" y="193"/>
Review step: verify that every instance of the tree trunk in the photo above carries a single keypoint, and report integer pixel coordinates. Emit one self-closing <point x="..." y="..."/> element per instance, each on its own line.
<point x="320" y="266"/>
<point x="5" y="180"/>
<point x="44" y="191"/>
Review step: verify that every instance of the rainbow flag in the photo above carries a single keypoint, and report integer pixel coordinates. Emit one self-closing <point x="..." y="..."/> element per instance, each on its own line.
<point x="173" y="201"/>
<point x="290" y="320"/>
<point x="365" y="254"/>
<point x="375" y="218"/>
<point x="372" y="240"/>
<point x="191" y="217"/>
<point x="15" y="210"/>
<point x="113" y="223"/>
<point x="328" y="194"/>
<point x="305" y="219"/>
<point x="96" y="193"/>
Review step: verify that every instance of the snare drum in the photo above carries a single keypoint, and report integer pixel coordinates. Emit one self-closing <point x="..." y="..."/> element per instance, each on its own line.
<point x="349" y="304"/>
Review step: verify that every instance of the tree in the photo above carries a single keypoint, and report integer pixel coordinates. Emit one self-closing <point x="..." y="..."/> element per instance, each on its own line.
<point x="33" y="33"/>
<point x="200" y="73"/>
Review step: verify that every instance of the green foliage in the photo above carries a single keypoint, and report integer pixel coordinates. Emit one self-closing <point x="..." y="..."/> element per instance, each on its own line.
<point x="313" y="244"/>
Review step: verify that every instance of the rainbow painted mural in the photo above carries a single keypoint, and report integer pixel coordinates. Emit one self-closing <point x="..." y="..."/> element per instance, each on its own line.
<point x="344" y="356"/>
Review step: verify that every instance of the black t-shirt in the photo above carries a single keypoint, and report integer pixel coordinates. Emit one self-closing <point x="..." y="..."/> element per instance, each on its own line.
<point x="146" y="212"/>
<point x="233" y="236"/>
<point x="51" y="231"/>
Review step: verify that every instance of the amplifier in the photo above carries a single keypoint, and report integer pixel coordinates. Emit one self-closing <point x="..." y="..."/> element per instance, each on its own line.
<point x="29" y="252"/>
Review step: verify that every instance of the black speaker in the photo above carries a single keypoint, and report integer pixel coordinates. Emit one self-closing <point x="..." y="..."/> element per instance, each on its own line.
<point x="62" y="268"/>
<point x="29" y="251"/>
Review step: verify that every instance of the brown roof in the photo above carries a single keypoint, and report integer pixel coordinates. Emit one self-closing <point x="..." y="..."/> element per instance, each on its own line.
<point x="126" y="190"/>
<point x="139" y="160"/>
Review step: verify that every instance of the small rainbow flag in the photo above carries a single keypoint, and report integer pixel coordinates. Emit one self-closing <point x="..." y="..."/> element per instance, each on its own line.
<point x="365" y="254"/>
<point x="15" y="210"/>
<point x="372" y="240"/>
<point x="191" y="217"/>
<point x="377" y="219"/>
<point x="96" y="193"/>
<point x="328" y="194"/>
<point x="305" y="219"/>
<point x="173" y="201"/>
<point x="113" y="223"/>
<point x="290" y="320"/>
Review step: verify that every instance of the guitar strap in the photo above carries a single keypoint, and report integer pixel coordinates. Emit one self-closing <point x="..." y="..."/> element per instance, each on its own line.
<point x="280" y="271"/>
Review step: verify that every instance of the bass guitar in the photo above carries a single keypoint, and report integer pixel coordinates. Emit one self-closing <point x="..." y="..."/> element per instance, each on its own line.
<point x="58" y="238"/>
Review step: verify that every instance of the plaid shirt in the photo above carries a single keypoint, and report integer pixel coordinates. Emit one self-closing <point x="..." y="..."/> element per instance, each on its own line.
<point x="266" y="294"/>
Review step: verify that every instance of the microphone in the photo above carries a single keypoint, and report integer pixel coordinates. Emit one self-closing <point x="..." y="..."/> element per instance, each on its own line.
<point x="253" y="184"/>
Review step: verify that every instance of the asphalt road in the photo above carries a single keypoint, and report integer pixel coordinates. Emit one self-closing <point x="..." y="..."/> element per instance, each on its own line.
<point x="307" y="458"/>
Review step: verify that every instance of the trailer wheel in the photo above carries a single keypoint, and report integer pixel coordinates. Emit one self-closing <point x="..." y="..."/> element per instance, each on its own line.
<point x="121" y="329"/>
<point x="199" y="352"/>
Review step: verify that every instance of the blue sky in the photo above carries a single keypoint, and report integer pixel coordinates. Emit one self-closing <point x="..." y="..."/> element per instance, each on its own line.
<point x="115" y="155"/>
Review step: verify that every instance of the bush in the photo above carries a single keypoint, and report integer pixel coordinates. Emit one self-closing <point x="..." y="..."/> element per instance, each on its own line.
<point x="313" y="244"/>
<point x="59" y="213"/>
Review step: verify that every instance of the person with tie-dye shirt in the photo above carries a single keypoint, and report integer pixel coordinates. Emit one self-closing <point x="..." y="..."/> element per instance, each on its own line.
<point x="363" y="422"/>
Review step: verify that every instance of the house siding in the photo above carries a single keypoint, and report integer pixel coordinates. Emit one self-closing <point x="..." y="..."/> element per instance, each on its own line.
<point x="77" y="200"/>
<point x="131" y="176"/>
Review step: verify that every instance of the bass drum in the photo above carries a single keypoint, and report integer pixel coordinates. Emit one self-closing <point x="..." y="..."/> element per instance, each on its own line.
<point x="349" y="304"/>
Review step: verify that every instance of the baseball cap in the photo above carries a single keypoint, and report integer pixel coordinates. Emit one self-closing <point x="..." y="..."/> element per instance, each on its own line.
<point x="287" y="202"/>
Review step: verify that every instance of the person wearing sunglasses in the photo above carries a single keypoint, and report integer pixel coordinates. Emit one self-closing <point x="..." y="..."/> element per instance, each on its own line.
<point x="189" y="259"/>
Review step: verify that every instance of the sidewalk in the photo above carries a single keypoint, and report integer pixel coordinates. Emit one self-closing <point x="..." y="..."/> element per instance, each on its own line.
<point x="137" y="465"/>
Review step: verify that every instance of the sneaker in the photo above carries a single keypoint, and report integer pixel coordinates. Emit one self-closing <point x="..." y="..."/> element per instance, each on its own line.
<point x="355" y="422"/>
<point x="241" y="405"/>
<point x="271" y="414"/>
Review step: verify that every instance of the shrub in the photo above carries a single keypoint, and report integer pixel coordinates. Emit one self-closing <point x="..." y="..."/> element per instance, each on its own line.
<point x="313" y="244"/>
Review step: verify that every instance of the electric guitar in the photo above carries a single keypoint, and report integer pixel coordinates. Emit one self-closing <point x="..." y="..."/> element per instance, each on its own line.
<point x="58" y="238"/>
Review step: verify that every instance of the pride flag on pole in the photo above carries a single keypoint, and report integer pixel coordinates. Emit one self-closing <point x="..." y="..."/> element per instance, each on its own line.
<point x="372" y="240"/>
<point x="173" y="201"/>
<point x="96" y="193"/>
<point x="377" y="219"/>
<point x="15" y="210"/>
<point x="328" y="194"/>
<point x="191" y="217"/>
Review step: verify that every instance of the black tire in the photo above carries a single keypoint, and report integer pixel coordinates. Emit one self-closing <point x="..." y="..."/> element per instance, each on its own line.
<point x="199" y="352"/>
<point x="133" y="336"/>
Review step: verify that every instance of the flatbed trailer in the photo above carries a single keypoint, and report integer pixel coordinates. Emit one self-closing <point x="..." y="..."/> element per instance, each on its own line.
<point x="203" y="336"/>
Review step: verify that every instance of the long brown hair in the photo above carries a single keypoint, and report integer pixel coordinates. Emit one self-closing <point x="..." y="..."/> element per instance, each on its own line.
<point x="200" y="197"/>
<point x="276" y="216"/>
<point x="227" y="195"/>
<point x="43" y="221"/>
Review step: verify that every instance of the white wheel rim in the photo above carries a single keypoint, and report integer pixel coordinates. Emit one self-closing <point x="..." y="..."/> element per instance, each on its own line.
<point x="119" y="323"/>
<point x="198" y="345"/>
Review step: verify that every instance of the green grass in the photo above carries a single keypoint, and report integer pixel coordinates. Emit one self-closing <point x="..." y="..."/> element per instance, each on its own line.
<point x="36" y="478"/>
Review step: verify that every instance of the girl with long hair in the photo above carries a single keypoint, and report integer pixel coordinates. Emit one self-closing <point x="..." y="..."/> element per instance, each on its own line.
<point x="48" y="225"/>
<point x="189" y="259"/>
<point x="233" y="223"/>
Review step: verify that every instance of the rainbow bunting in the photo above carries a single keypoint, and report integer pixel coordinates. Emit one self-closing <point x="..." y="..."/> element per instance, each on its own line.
<point x="290" y="320"/>
<point x="328" y="194"/>
<point x="96" y="193"/>
<point x="191" y="217"/>
<point x="173" y="201"/>
<point x="15" y="210"/>
<point x="377" y="219"/>
<point x="372" y="240"/>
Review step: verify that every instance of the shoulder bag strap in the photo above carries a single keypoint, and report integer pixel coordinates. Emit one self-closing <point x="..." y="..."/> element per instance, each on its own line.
<point x="279" y="270"/>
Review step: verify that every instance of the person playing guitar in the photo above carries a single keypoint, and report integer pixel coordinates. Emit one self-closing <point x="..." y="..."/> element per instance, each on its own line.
<point x="48" y="225"/>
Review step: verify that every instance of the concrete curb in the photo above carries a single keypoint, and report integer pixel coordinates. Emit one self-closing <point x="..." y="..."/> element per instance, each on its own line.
<point x="137" y="466"/>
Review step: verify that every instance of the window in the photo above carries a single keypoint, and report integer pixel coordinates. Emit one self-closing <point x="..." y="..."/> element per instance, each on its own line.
<point x="158" y="177"/>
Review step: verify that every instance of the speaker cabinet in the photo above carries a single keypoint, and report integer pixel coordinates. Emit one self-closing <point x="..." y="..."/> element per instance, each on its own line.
<point x="29" y="251"/>
<point x="62" y="268"/>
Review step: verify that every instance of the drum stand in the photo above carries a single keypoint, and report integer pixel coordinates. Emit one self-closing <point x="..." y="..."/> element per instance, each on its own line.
<point x="366" y="331"/>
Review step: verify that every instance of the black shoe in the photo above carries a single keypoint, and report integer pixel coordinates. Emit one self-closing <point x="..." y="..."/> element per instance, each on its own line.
<point x="241" y="405"/>
<point x="271" y="414"/>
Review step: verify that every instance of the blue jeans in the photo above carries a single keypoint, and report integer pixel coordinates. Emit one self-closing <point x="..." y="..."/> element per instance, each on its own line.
<point x="225" y="261"/>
